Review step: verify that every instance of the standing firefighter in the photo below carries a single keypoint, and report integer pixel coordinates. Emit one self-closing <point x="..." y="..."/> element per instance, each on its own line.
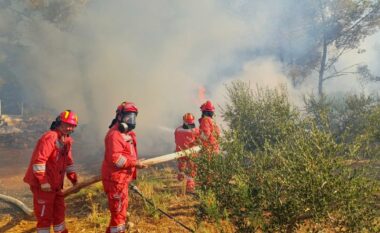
<point x="185" y="137"/>
<point x="209" y="131"/>
<point x="51" y="160"/>
<point x="120" y="163"/>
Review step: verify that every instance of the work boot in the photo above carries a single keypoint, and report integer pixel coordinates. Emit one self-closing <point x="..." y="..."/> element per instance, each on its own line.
<point x="190" y="185"/>
<point x="64" y="231"/>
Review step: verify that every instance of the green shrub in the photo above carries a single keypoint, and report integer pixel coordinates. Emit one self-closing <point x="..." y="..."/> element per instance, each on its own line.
<point x="353" y="120"/>
<point x="260" y="117"/>
<point x="275" y="179"/>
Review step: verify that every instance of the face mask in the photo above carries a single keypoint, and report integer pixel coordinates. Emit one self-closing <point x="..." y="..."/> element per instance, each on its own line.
<point x="128" y="122"/>
<point x="129" y="118"/>
<point x="208" y="113"/>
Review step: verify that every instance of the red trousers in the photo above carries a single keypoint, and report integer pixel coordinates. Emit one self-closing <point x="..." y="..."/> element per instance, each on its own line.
<point x="49" y="209"/>
<point x="117" y="205"/>
<point x="187" y="166"/>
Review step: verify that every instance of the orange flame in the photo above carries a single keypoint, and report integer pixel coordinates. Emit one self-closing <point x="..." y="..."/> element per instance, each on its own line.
<point x="201" y="94"/>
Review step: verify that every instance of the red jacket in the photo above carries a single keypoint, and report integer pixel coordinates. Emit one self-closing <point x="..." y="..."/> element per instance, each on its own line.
<point x="209" y="133"/>
<point x="120" y="157"/>
<point x="51" y="160"/>
<point x="185" y="138"/>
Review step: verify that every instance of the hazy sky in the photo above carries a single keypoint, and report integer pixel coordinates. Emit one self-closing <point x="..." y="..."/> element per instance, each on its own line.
<point x="157" y="54"/>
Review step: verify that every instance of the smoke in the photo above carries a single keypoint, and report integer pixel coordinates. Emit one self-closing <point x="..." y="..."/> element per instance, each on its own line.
<point x="264" y="72"/>
<point x="367" y="54"/>
<point x="158" y="54"/>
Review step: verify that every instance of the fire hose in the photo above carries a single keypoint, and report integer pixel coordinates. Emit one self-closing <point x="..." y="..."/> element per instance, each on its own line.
<point x="149" y="162"/>
<point x="95" y="179"/>
<point x="136" y="190"/>
<point x="18" y="203"/>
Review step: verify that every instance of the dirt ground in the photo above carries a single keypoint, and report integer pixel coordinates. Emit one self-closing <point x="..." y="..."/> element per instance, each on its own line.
<point x="12" y="168"/>
<point x="13" y="164"/>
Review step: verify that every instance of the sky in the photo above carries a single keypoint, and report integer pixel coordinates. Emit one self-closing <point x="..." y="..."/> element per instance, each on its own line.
<point x="158" y="54"/>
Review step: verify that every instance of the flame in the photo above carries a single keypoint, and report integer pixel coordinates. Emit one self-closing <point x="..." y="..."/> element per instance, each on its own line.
<point x="201" y="94"/>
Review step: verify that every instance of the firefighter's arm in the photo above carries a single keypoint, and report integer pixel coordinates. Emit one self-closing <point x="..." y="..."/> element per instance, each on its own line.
<point x="43" y="151"/>
<point x="70" y="168"/>
<point x="196" y="134"/>
<point x="119" y="158"/>
<point x="139" y="163"/>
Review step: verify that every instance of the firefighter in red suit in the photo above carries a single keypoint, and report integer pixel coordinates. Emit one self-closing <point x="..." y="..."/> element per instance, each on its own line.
<point x="186" y="137"/>
<point x="119" y="164"/>
<point x="51" y="160"/>
<point x="209" y="131"/>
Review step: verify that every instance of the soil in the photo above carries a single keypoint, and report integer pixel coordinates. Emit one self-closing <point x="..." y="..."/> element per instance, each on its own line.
<point x="13" y="164"/>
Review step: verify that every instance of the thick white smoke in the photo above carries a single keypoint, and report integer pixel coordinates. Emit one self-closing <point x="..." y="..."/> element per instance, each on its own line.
<point x="154" y="53"/>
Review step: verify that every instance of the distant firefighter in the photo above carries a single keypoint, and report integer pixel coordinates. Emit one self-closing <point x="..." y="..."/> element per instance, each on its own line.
<point x="186" y="137"/>
<point x="209" y="131"/>
<point x="120" y="164"/>
<point x="51" y="160"/>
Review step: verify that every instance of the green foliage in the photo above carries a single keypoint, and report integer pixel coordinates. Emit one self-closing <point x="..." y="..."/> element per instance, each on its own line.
<point x="295" y="171"/>
<point x="303" y="178"/>
<point x="354" y="121"/>
<point x="259" y="117"/>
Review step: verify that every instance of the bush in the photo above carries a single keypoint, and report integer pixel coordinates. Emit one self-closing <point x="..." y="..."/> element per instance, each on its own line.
<point x="274" y="179"/>
<point x="353" y="120"/>
<point x="263" y="116"/>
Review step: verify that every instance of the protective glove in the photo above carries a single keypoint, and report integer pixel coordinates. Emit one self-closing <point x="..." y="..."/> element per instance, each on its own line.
<point x="72" y="176"/>
<point x="46" y="187"/>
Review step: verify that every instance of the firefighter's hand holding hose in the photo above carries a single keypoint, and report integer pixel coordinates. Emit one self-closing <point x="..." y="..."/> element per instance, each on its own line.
<point x="140" y="165"/>
<point x="74" y="187"/>
<point x="73" y="177"/>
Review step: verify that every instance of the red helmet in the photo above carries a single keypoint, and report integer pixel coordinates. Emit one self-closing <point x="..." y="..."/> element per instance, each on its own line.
<point x="127" y="107"/>
<point x="69" y="117"/>
<point x="188" y="118"/>
<point x="207" y="106"/>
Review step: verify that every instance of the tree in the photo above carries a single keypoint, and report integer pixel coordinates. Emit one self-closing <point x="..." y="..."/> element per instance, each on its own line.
<point x="332" y="28"/>
<point x="343" y="25"/>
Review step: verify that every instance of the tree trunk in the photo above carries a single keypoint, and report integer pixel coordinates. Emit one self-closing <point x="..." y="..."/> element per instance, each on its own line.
<point x="322" y="68"/>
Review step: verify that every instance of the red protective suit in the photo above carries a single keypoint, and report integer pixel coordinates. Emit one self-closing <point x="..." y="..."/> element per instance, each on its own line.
<point x="118" y="170"/>
<point x="51" y="160"/>
<point x="209" y="133"/>
<point x="184" y="139"/>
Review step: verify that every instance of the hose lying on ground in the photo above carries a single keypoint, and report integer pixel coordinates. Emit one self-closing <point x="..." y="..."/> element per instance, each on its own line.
<point x="18" y="203"/>
<point x="136" y="190"/>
